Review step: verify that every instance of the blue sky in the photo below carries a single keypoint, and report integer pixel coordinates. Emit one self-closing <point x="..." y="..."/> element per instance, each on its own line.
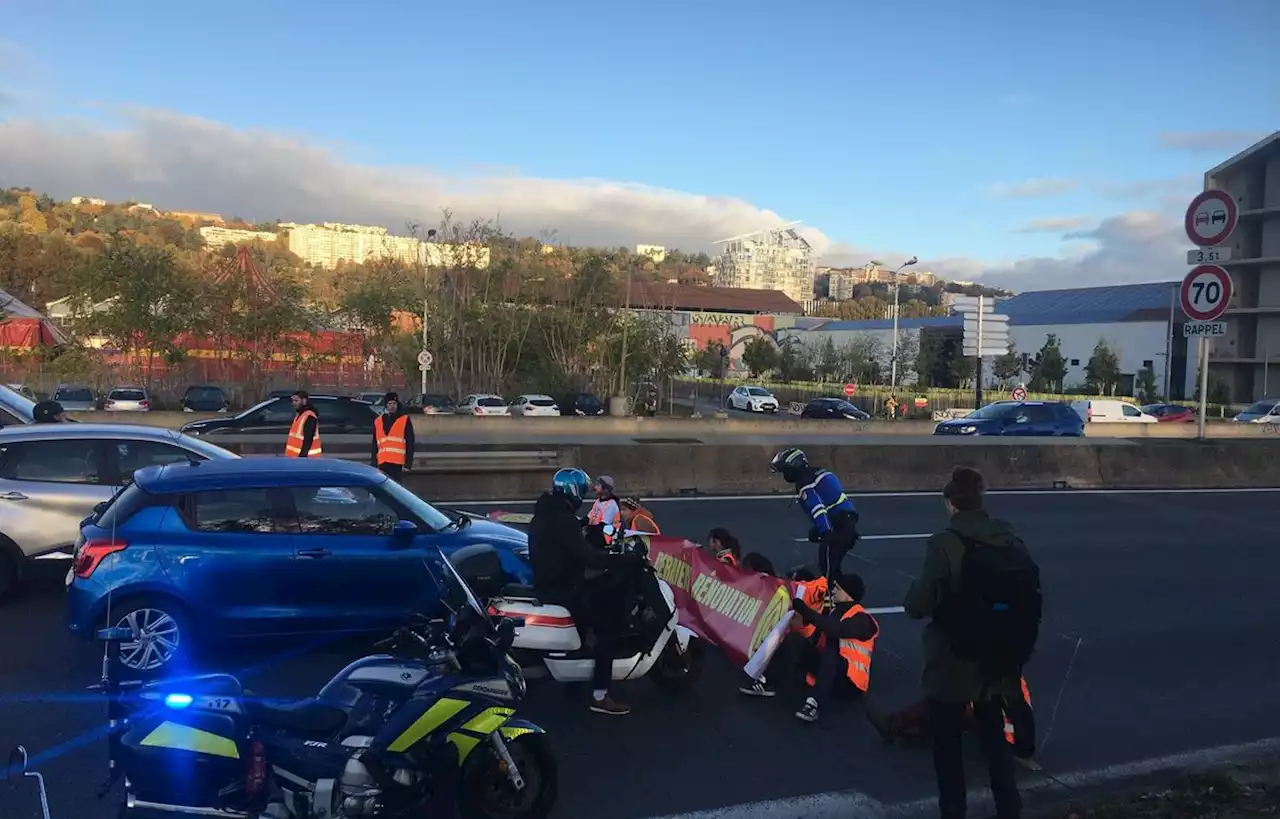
<point x="889" y="127"/>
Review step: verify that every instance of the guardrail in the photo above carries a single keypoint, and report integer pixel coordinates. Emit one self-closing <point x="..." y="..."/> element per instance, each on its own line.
<point x="472" y="459"/>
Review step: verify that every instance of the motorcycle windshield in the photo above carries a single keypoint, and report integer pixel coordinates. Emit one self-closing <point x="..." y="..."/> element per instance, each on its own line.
<point x="454" y="588"/>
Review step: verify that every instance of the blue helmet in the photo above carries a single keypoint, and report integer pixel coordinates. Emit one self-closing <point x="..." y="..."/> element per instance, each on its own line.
<point x="572" y="484"/>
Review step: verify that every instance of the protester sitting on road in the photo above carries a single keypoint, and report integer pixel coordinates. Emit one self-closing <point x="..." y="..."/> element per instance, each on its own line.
<point x="973" y="648"/>
<point x="833" y="518"/>
<point x="635" y="518"/>
<point x="722" y="544"/>
<point x="48" y="412"/>
<point x="758" y="563"/>
<point x="838" y="660"/>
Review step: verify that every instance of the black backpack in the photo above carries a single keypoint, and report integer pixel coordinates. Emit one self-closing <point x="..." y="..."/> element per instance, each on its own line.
<point x="994" y="618"/>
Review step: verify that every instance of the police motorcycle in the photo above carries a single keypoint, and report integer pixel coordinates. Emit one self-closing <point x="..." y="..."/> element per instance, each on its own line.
<point x="548" y="643"/>
<point x="427" y="730"/>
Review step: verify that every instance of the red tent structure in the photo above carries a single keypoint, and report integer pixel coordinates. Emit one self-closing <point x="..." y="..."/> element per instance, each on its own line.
<point x="22" y="328"/>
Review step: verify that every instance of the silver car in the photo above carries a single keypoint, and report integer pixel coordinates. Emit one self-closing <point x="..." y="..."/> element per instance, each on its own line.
<point x="127" y="399"/>
<point x="53" y="475"/>
<point x="75" y="398"/>
<point x="15" y="408"/>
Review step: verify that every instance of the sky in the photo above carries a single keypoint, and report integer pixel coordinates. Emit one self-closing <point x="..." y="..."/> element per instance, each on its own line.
<point x="1026" y="145"/>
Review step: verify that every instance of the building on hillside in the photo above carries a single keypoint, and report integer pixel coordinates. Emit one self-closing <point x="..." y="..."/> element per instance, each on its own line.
<point x="88" y="200"/>
<point x="330" y="243"/>
<point x="191" y="217"/>
<point x="775" y="259"/>
<point x="1137" y="321"/>
<point x="655" y="253"/>
<point x="215" y="237"/>
<point x="1241" y="360"/>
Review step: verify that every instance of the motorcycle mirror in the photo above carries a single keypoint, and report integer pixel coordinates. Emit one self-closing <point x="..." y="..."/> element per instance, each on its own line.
<point x="17" y="762"/>
<point x="609" y="530"/>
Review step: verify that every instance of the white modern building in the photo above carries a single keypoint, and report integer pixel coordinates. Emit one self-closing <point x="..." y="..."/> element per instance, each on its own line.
<point x="330" y="243"/>
<point x="777" y="259"/>
<point x="215" y="237"/>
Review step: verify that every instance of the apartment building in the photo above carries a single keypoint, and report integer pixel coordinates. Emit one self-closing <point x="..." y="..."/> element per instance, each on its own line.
<point x="330" y="243"/>
<point x="215" y="237"/>
<point x="778" y="259"/>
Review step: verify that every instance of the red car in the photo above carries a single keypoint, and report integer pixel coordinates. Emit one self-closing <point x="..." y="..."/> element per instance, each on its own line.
<point x="1170" y="413"/>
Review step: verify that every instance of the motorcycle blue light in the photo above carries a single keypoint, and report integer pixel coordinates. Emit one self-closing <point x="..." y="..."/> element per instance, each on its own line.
<point x="177" y="701"/>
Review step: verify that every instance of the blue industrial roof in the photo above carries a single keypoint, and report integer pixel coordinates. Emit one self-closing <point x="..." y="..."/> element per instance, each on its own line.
<point x="1090" y="305"/>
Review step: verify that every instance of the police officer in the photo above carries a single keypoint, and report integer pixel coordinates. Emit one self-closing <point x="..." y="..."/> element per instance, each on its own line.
<point x="834" y="520"/>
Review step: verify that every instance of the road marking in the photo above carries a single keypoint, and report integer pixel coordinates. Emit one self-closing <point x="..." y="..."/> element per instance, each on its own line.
<point x="857" y="805"/>
<point x="878" y="537"/>
<point x="874" y="495"/>
<point x="887" y="610"/>
<point x="54" y="556"/>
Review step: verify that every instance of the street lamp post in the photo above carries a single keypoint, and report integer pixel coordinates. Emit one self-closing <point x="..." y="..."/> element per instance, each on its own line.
<point x="426" y="305"/>
<point x="893" y="358"/>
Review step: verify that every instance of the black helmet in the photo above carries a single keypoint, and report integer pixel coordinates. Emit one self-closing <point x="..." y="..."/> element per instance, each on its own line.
<point x="47" y="412"/>
<point x="789" y="462"/>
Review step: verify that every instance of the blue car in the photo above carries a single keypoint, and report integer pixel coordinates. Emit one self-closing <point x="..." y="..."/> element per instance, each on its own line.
<point x="190" y="554"/>
<point x="1017" y="418"/>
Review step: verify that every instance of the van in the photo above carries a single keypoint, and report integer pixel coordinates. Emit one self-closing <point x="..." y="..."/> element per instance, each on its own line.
<point x="1111" y="411"/>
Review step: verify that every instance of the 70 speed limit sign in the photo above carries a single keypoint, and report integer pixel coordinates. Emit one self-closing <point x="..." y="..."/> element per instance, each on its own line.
<point x="1205" y="292"/>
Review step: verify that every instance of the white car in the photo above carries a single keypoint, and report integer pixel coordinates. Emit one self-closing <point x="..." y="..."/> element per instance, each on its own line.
<point x="1111" y="411"/>
<point x="483" y="404"/>
<point x="753" y="399"/>
<point x="1266" y="411"/>
<point x="535" y="405"/>
<point x="127" y="399"/>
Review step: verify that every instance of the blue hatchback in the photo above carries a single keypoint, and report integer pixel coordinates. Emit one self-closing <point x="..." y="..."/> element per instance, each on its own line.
<point x="1018" y="418"/>
<point x="262" y="547"/>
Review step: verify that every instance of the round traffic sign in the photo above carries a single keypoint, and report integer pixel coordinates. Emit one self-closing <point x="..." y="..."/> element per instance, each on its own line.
<point x="850" y="390"/>
<point x="1018" y="394"/>
<point x="425" y="359"/>
<point x="1205" y="292"/>
<point x="1211" y="218"/>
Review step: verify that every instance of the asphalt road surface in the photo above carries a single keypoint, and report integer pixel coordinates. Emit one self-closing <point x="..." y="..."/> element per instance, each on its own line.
<point x="1161" y="636"/>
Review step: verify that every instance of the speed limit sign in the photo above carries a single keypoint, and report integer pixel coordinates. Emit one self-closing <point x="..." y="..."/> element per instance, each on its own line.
<point x="1205" y="292"/>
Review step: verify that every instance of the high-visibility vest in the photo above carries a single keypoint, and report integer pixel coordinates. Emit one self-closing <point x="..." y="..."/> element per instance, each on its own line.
<point x="815" y="597"/>
<point x="856" y="653"/>
<point x="293" y="447"/>
<point x="725" y="556"/>
<point x="1008" y="726"/>
<point x="391" y="443"/>
<point x="596" y="516"/>
<point x="641" y="521"/>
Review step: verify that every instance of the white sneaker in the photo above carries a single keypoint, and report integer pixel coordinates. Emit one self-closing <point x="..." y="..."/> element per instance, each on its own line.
<point x="809" y="711"/>
<point x="756" y="688"/>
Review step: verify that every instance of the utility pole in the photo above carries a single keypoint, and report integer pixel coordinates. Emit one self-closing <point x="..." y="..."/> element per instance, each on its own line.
<point x="426" y="304"/>
<point x="893" y="358"/>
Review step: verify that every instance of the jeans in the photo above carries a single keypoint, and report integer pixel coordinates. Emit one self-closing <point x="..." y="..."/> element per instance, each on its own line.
<point x="948" y="721"/>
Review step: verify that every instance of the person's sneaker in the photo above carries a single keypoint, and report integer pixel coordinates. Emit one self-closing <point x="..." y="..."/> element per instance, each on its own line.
<point x="1028" y="762"/>
<point x="809" y="711"/>
<point x="609" y="705"/>
<point x="756" y="688"/>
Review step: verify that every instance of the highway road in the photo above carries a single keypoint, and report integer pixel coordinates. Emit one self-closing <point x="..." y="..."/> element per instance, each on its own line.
<point x="1161" y="636"/>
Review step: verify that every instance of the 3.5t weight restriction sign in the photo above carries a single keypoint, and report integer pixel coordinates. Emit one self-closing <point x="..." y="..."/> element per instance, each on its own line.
<point x="1205" y="292"/>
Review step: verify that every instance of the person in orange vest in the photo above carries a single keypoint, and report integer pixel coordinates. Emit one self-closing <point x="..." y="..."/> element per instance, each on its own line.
<point x="636" y="518"/>
<point x="724" y="546"/>
<point x="814" y="596"/>
<point x="1020" y="728"/>
<point x="304" y="434"/>
<point x="605" y="510"/>
<point x="393" y="439"/>
<point x="839" y="659"/>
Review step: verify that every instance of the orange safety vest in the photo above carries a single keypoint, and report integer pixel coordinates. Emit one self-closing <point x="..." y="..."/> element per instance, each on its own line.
<point x="1008" y="726"/>
<point x="641" y="521"/>
<point x="596" y="516"/>
<point x="293" y="447"/>
<point x="815" y="597"/>
<point x="725" y="556"/>
<point x="856" y="653"/>
<point x="391" y="443"/>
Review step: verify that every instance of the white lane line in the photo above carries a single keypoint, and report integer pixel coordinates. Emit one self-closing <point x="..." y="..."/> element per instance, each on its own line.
<point x="856" y="805"/>
<point x="873" y="495"/>
<point x="886" y="610"/>
<point x="54" y="556"/>
<point x="878" y="537"/>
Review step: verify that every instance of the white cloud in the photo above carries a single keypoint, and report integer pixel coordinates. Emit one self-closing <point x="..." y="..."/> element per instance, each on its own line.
<point x="1217" y="141"/>
<point x="1058" y="224"/>
<point x="1032" y="188"/>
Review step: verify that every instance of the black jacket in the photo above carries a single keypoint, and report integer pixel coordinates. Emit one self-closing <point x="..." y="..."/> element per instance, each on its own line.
<point x="558" y="549"/>
<point x="308" y="429"/>
<point x="384" y="423"/>
<point x="861" y="626"/>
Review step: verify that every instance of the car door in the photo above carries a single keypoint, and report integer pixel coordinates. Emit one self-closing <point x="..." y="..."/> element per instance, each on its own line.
<point x="124" y="457"/>
<point x="274" y="419"/>
<point x="1133" y="415"/>
<point x="356" y="576"/>
<point x="232" y="552"/>
<point x="47" y="488"/>
<point x="1028" y="420"/>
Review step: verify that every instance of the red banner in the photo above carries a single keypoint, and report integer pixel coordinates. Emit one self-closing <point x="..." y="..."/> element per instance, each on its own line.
<point x="728" y="607"/>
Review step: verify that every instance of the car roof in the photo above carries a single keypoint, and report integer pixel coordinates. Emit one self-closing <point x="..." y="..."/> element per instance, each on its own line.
<point x="532" y="395"/>
<point x="36" y="432"/>
<point x="264" y="471"/>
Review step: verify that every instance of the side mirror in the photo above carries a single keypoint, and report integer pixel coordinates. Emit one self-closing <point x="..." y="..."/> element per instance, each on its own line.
<point x="17" y="764"/>
<point x="99" y="508"/>
<point x="404" y="531"/>
<point x="609" y="530"/>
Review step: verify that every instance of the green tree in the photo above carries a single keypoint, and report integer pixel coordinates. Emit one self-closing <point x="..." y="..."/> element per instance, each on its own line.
<point x="1102" y="372"/>
<point x="1147" y="392"/>
<point x="1008" y="366"/>
<point x="962" y="370"/>
<point x="794" y="361"/>
<point x="710" y="360"/>
<point x="368" y="299"/>
<point x="760" y="355"/>
<point x="829" y="365"/>
<point x="926" y="361"/>
<point x="1048" y="367"/>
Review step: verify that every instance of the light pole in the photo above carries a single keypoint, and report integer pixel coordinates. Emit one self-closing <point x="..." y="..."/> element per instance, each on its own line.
<point x="426" y="304"/>
<point x="893" y="358"/>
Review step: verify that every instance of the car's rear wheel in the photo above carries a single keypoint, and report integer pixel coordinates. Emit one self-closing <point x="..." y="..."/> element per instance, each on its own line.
<point x="163" y="636"/>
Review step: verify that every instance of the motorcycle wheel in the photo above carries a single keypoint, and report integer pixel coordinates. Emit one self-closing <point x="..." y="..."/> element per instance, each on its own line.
<point x="675" y="670"/>
<point x="486" y="793"/>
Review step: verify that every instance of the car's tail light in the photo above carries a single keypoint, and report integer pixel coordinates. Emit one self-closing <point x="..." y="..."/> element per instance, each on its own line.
<point x="89" y="555"/>
<point x="479" y="411"/>
<point x="145" y="404"/>
<point x="256" y="775"/>
<point x="109" y="403"/>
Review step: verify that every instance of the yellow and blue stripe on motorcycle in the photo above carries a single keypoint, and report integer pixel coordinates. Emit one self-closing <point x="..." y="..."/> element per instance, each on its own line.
<point x="447" y="711"/>
<point x="179" y="737"/>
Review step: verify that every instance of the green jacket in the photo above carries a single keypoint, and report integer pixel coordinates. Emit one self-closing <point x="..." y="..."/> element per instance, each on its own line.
<point x="945" y="677"/>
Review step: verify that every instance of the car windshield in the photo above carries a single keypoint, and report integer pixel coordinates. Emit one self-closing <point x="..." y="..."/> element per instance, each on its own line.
<point x="845" y="406"/>
<point x="757" y="391"/>
<point x="991" y="411"/>
<point x="127" y="395"/>
<point x="73" y="394"/>
<point x="433" y="517"/>
<point x="1261" y="407"/>
<point x="204" y="394"/>
<point x="542" y="402"/>
<point x="490" y="402"/>
<point x="435" y="400"/>
<point x="203" y="447"/>
<point x="589" y="401"/>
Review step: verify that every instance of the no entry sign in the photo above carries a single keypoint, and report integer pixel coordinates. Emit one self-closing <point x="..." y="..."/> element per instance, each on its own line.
<point x="1211" y="218"/>
<point x="1205" y="292"/>
<point x="850" y="390"/>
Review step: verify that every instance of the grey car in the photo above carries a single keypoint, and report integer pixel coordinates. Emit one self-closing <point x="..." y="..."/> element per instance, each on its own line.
<point x="75" y="398"/>
<point x="15" y="408"/>
<point x="53" y="475"/>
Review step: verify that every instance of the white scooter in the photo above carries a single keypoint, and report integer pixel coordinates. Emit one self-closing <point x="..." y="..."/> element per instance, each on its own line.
<point x="550" y="640"/>
<point x="17" y="764"/>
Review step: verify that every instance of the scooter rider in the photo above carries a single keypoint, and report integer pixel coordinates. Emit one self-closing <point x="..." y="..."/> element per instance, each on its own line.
<point x="834" y="518"/>
<point x="595" y="585"/>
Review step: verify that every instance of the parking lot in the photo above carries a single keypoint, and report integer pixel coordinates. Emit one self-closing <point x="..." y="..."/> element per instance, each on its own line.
<point x="1132" y="581"/>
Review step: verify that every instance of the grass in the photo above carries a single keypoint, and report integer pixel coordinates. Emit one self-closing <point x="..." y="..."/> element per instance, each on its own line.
<point x="1238" y="793"/>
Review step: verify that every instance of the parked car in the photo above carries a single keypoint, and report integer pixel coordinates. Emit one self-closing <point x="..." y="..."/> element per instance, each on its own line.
<point x="205" y="398"/>
<point x="261" y="547"/>
<point x="583" y="404"/>
<point x="127" y="399"/>
<point x="25" y="391"/>
<point x="1266" y="411"/>
<point x="483" y="404"/>
<point x="52" y="476"/>
<point x="374" y="398"/>
<point x="753" y="399"/>
<point x="1111" y="411"/>
<point x="338" y="415"/>
<point x="1034" y="418"/>
<point x="836" y="408"/>
<point x="432" y="404"/>
<point x="75" y="398"/>
<point x="535" y="405"/>
<point x="1170" y="413"/>
<point x="15" y="408"/>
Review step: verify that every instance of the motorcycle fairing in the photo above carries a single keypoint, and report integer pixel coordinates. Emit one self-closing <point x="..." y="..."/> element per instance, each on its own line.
<point x="178" y="737"/>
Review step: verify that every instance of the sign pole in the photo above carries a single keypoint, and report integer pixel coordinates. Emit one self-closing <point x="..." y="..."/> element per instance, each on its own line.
<point x="1204" y="384"/>
<point x="977" y="369"/>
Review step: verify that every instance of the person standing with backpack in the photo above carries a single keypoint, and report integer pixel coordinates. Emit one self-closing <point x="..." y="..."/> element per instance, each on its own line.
<point x="980" y="590"/>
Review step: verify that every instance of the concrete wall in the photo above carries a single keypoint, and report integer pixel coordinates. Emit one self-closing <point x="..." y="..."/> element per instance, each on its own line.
<point x="1137" y="344"/>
